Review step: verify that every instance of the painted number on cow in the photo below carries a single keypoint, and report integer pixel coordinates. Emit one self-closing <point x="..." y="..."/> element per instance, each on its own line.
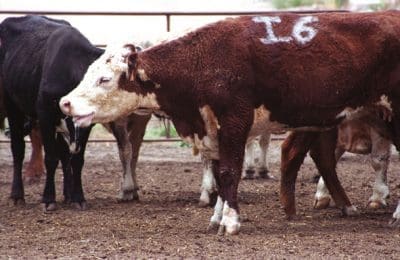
<point x="302" y="32"/>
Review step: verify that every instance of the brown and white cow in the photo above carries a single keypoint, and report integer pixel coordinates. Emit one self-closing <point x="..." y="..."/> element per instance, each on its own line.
<point x="307" y="70"/>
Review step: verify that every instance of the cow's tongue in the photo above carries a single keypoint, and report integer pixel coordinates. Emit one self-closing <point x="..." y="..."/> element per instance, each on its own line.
<point x="83" y="121"/>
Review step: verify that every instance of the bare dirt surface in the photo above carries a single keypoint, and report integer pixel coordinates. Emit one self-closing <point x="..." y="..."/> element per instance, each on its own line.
<point x="167" y="222"/>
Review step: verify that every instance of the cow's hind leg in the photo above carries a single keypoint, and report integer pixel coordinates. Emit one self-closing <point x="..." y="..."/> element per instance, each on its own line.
<point x="208" y="188"/>
<point x="380" y="155"/>
<point x="250" y="159"/>
<point x="323" y="154"/>
<point x="16" y="122"/>
<point x="294" y="150"/>
<point x="35" y="168"/>
<point x="263" y="169"/>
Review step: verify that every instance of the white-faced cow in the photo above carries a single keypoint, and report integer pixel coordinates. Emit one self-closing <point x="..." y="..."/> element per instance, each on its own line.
<point x="307" y="70"/>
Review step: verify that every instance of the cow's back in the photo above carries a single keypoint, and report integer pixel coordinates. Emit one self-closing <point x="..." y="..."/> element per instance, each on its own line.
<point x="349" y="59"/>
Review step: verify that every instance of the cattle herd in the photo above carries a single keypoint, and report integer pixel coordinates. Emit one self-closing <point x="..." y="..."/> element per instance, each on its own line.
<point x="330" y="80"/>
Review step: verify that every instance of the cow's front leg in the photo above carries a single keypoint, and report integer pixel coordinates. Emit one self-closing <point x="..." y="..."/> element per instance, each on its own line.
<point x="50" y="160"/>
<point x="128" y="189"/>
<point x="77" y="162"/>
<point x="380" y="155"/>
<point x="294" y="150"/>
<point x="232" y="140"/>
<point x="322" y="196"/>
<point x="323" y="154"/>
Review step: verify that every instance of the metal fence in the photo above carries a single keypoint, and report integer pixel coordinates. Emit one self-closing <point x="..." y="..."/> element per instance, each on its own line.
<point x="168" y="16"/>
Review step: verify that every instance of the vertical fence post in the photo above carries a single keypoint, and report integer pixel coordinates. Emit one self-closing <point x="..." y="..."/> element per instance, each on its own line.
<point x="168" y="125"/>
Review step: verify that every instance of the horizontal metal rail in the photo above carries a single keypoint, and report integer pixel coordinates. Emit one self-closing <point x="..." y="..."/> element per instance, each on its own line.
<point x="151" y="140"/>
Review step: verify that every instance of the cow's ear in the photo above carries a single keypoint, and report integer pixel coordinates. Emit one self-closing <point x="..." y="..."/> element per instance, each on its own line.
<point x="132" y="65"/>
<point x="131" y="60"/>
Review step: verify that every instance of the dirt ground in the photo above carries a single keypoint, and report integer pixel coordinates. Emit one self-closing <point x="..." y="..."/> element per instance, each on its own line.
<point x="167" y="222"/>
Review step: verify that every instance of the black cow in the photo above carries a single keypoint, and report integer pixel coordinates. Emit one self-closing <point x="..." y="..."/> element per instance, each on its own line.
<point x="42" y="59"/>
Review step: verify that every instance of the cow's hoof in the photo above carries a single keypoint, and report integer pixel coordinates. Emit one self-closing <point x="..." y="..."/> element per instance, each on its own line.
<point x="350" y="211"/>
<point x="203" y="204"/>
<point x="128" y="196"/>
<point x="49" y="207"/>
<point x="264" y="174"/>
<point x="376" y="204"/>
<point x="32" y="179"/>
<point x="248" y="174"/>
<point x="394" y="223"/>
<point x="322" y="203"/>
<point x="230" y="230"/>
<point x="80" y="205"/>
<point x="18" y="201"/>
<point x="212" y="227"/>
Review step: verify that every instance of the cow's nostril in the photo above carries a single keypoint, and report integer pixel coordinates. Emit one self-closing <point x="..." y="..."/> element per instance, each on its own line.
<point x="65" y="106"/>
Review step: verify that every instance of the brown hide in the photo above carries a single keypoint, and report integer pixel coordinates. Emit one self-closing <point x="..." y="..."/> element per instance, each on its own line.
<point x="352" y="60"/>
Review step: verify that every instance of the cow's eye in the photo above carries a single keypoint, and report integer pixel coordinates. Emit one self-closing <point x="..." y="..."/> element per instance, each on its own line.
<point x="104" y="80"/>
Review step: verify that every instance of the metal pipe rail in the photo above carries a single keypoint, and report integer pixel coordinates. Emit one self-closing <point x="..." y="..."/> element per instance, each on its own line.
<point x="166" y="14"/>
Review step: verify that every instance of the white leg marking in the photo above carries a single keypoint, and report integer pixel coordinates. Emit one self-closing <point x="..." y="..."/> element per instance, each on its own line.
<point x="230" y="220"/>
<point x="396" y="213"/>
<point x="250" y="158"/>
<point x="380" y="161"/>
<point x="217" y="216"/>
<point x="322" y="196"/>
<point x="208" y="185"/>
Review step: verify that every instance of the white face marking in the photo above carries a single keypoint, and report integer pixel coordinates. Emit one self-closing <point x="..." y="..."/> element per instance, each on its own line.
<point x="99" y="94"/>
<point x="301" y="33"/>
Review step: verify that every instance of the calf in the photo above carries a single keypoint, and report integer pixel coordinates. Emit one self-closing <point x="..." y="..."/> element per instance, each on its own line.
<point x="305" y="69"/>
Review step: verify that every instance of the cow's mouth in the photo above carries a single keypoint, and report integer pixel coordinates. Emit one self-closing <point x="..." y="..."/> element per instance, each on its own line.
<point x="142" y="111"/>
<point x="84" y="120"/>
